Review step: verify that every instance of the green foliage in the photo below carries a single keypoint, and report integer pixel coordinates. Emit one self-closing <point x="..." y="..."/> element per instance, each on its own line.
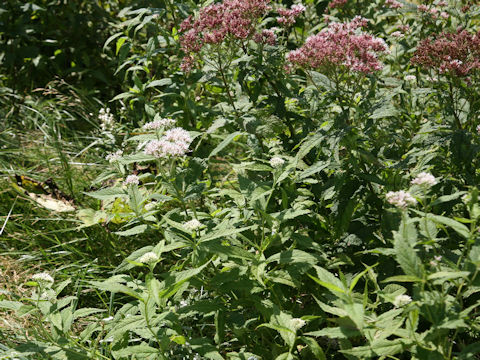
<point x="44" y="39"/>
<point x="289" y="214"/>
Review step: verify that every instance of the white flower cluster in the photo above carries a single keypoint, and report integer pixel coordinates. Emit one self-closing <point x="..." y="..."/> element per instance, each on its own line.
<point x="478" y="129"/>
<point x="151" y="205"/>
<point x="132" y="180"/>
<point x="437" y="259"/>
<point x="424" y="179"/>
<point x="192" y="225"/>
<point x="148" y="258"/>
<point x="402" y="300"/>
<point x="43" y="278"/>
<point x="159" y="123"/>
<point x="175" y="142"/>
<point x="400" y="198"/>
<point x="107" y="121"/>
<point x="410" y="78"/>
<point x="276" y="162"/>
<point x="297" y="323"/>
<point x="114" y="156"/>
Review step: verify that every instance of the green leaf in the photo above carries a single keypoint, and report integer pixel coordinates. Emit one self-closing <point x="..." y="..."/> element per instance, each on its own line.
<point x="115" y="287"/>
<point x="455" y="225"/>
<point x="447" y="198"/>
<point x="314" y="347"/>
<point x="120" y="43"/>
<point x="174" y="281"/>
<point x="315" y="168"/>
<point x="377" y="348"/>
<point x="285" y="356"/>
<point x="387" y="110"/>
<point x="223" y="233"/>
<point x="225" y="142"/>
<point x="139" y="229"/>
<point x="402" y="278"/>
<point x="161" y="82"/>
<point x="228" y="251"/>
<point x="290" y="214"/>
<point x="135" y="198"/>
<point x="335" y="333"/>
<point x="137" y="350"/>
<point x="328" y="280"/>
<point x="108" y="193"/>
<point x="110" y="39"/>
<point x="293" y="256"/>
<point x="10" y="305"/>
<point x="469" y="352"/>
<point x="309" y="144"/>
<point x="86" y="312"/>
<point x="282" y="323"/>
<point x="154" y="287"/>
<point x="124" y="325"/>
<point x="359" y="276"/>
<point x="356" y="313"/>
<point x="124" y="95"/>
<point x="404" y="251"/>
<point x="448" y="275"/>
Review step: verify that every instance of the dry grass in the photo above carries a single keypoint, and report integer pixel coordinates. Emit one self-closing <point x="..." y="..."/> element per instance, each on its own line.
<point x="13" y="276"/>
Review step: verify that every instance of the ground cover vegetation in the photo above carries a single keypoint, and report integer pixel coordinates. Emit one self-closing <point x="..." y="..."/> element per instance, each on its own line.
<point x="241" y="179"/>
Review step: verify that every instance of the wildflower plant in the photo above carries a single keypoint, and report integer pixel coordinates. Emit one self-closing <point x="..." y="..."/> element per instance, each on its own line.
<point x="286" y="189"/>
<point x="217" y="24"/>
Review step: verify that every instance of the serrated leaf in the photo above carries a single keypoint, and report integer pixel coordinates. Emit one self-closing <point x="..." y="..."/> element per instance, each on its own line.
<point x="174" y="281"/>
<point x="335" y="332"/>
<point x="108" y="193"/>
<point x="290" y="214"/>
<point x="154" y="287"/>
<point x="447" y="198"/>
<point x="10" y="305"/>
<point x="137" y="350"/>
<point x="293" y="256"/>
<point x="86" y="312"/>
<point x="115" y="287"/>
<point x="328" y="280"/>
<point x="161" y="82"/>
<point x="139" y="229"/>
<point x="384" y="112"/>
<point x="448" y="275"/>
<point x="377" y="348"/>
<point x="309" y="144"/>
<point x="455" y="225"/>
<point x="312" y="170"/>
<point x="228" y="251"/>
<point x="223" y="233"/>
<point x="404" y="251"/>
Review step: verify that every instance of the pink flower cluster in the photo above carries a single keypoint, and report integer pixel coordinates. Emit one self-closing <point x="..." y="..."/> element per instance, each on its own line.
<point x="457" y="53"/>
<point x="393" y="4"/>
<point x="433" y="12"/>
<point x="337" y="3"/>
<point x="236" y="18"/>
<point x="341" y="44"/>
<point x="175" y="142"/>
<point x="267" y="36"/>
<point x="288" y="16"/>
